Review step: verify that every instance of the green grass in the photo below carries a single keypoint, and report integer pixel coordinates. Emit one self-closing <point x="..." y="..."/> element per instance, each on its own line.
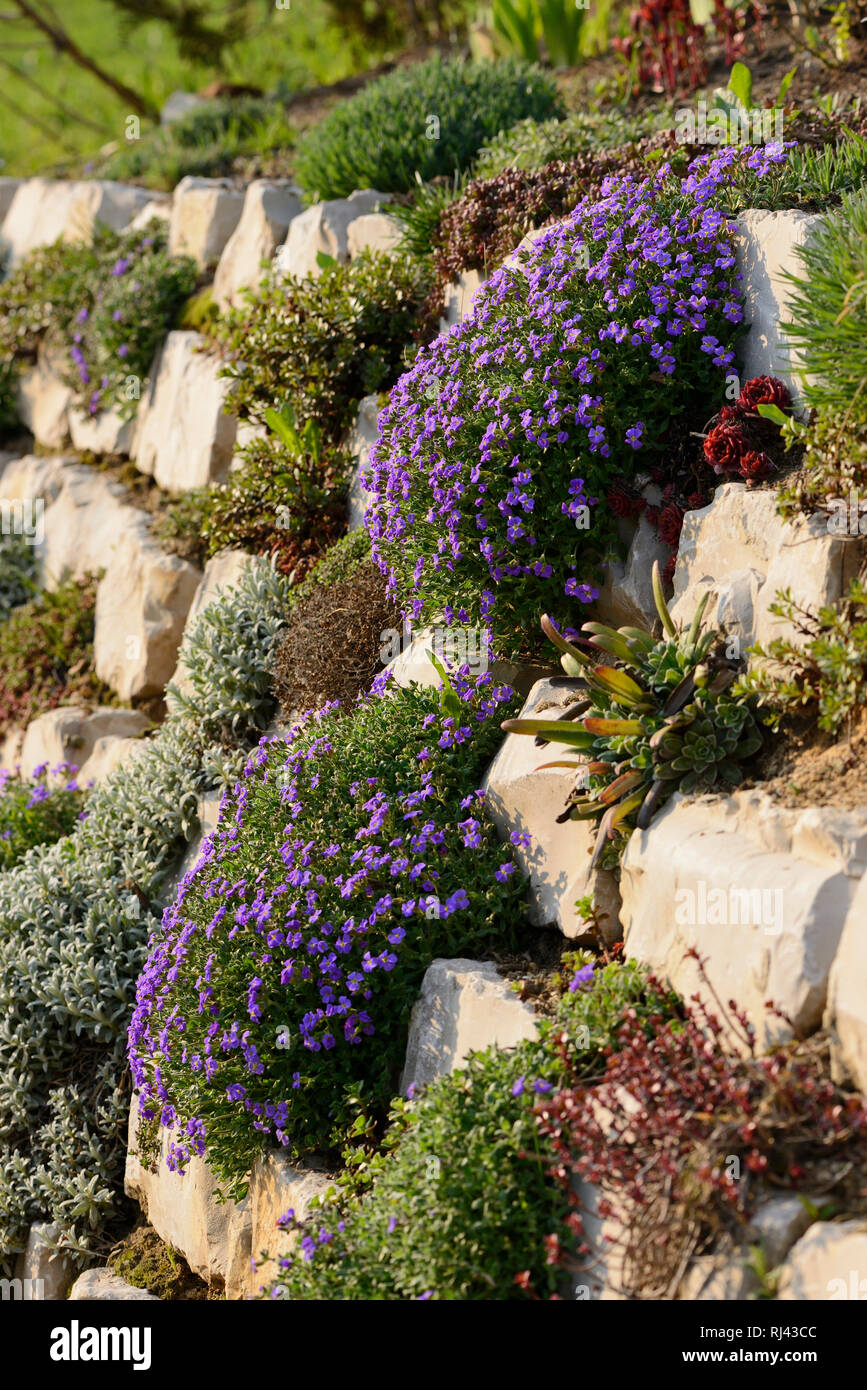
<point x="289" y="49"/>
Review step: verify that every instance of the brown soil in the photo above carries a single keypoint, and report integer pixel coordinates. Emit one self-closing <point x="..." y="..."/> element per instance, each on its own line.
<point x="806" y="767"/>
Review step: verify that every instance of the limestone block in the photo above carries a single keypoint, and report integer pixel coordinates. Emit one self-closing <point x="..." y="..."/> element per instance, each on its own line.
<point x="160" y="206"/>
<point x="205" y="213"/>
<point x="756" y="890"/>
<point x="459" y="298"/>
<point x="70" y="734"/>
<point x="182" y="1208"/>
<point x="323" y="227"/>
<point x="626" y="597"/>
<point x="846" y="1015"/>
<point x="44" y="210"/>
<point x="185" y="433"/>
<point x="87" y="518"/>
<point x="455" y="646"/>
<point x="34" y="476"/>
<point x="102" y="1285"/>
<point x="767" y="246"/>
<point x="44" y="401"/>
<point x="465" y="1006"/>
<point x="373" y="231"/>
<point x="109" y="753"/>
<point x="276" y="1185"/>
<point x="523" y="796"/>
<point x="106" y="433"/>
<point x="268" y="209"/>
<point x="741" y="550"/>
<point x="142" y="603"/>
<point x="361" y="438"/>
<point x="50" y="1271"/>
<point x="829" y="1263"/>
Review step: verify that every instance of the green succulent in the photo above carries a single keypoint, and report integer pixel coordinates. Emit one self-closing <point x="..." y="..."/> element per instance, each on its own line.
<point x="658" y="721"/>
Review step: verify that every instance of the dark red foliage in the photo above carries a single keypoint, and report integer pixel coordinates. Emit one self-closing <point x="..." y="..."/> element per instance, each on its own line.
<point x="724" y="448"/>
<point x="624" y="501"/>
<point x="764" y="390"/>
<point x="669" y="48"/>
<point x="658" y="1135"/>
<point x="755" y="465"/>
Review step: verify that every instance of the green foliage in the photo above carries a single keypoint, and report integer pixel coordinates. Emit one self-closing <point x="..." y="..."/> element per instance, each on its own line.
<point x="656" y="722"/>
<point x="36" y="810"/>
<point x="372" y="807"/>
<point x="811" y="177"/>
<point x="46" y="653"/>
<point x="383" y="137"/>
<point x="288" y="508"/>
<point x="320" y="345"/>
<point x="823" y="671"/>
<point x="18" y="569"/>
<point x="42" y="292"/>
<point x="834" y="460"/>
<point x="459" y="1202"/>
<point x="529" y="144"/>
<point x="829" y="309"/>
<point x="520" y="24"/>
<point x="420" y="218"/>
<point x="74" y="921"/>
<point x="106" y="306"/>
<point x="214" y="139"/>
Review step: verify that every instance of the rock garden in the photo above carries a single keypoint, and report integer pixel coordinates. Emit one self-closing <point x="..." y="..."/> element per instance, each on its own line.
<point x="433" y="676"/>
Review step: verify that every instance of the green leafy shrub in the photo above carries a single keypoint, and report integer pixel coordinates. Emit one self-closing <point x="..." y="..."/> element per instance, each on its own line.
<point x="46" y="654"/>
<point x="460" y="1205"/>
<point x="812" y="177"/>
<point x="288" y="509"/>
<point x="572" y="368"/>
<point x="658" y="721"/>
<point x="17" y="572"/>
<point x="319" y="346"/>
<point x="833" y="463"/>
<point x="359" y="835"/>
<point x="530" y="144"/>
<point x="107" y="306"/>
<point x="330" y="649"/>
<point x="42" y="292"/>
<point x="219" y="137"/>
<point x="824" y="671"/>
<point x="384" y="136"/>
<point x="829" y="309"/>
<point x="36" y="810"/>
<point x="74" y="922"/>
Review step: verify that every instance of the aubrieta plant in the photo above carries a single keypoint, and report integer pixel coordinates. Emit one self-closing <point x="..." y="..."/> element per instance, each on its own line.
<point x="106" y="306"/>
<point x="36" y="810"/>
<point x="573" y="367"/>
<point x="274" y="1007"/>
<point x="658" y="721"/>
<point x="126" y="309"/>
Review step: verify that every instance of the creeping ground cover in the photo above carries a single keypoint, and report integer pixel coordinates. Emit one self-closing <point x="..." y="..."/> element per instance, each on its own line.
<point x="580" y="364"/>
<point x="274" y="1006"/>
<point x="74" y="922"/>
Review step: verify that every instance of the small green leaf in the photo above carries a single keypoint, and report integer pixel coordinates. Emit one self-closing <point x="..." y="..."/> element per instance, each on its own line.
<point x="772" y="412"/>
<point x="741" y="83"/>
